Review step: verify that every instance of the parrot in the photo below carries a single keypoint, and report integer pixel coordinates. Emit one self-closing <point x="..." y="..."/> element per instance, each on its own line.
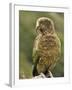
<point x="46" y="47"/>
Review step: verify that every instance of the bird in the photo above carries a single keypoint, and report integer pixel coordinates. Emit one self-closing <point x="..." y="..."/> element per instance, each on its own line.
<point x="46" y="47"/>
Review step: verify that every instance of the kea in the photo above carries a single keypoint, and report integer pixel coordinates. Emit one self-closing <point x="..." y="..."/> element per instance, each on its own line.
<point x="46" y="49"/>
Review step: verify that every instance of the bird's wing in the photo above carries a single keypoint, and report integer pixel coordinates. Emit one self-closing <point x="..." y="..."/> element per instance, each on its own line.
<point x="35" y="54"/>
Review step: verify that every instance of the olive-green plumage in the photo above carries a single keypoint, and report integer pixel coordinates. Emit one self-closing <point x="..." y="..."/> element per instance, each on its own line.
<point x="47" y="47"/>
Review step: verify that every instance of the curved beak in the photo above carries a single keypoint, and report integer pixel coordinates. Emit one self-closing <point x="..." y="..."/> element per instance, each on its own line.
<point x="37" y="28"/>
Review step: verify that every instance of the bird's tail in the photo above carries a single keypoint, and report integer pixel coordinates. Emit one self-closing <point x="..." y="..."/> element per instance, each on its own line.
<point x="34" y="70"/>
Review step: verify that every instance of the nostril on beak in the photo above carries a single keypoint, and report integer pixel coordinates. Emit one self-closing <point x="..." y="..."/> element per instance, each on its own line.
<point x="41" y="29"/>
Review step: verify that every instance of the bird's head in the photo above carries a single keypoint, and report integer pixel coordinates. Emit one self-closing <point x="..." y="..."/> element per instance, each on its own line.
<point x="44" y="25"/>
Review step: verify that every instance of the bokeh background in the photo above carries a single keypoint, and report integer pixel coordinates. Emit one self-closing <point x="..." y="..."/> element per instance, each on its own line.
<point x="27" y="34"/>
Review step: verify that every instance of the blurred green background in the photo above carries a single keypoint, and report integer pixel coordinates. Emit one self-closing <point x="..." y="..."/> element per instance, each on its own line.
<point x="27" y="34"/>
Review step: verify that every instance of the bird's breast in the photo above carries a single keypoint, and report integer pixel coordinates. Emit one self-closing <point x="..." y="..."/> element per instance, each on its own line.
<point x="49" y="51"/>
<point x="49" y="47"/>
<point x="47" y="43"/>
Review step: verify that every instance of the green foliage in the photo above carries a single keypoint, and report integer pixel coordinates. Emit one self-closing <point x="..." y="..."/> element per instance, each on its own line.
<point x="27" y="34"/>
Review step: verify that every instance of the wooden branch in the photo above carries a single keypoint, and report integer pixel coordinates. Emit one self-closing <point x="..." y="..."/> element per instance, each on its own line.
<point x="39" y="76"/>
<point x="49" y="75"/>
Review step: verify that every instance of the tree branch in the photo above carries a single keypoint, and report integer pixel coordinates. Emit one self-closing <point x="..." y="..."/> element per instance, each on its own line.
<point x="49" y="75"/>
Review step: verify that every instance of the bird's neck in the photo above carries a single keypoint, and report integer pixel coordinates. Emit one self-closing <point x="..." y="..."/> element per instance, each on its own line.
<point x="47" y="33"/>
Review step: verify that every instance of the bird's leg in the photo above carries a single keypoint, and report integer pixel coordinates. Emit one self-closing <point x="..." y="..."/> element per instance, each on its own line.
<point x="49" y="74"/>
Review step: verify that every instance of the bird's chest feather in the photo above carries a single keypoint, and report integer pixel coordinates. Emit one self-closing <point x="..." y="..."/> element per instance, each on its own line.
<point x="47" y="43"/>
<point x="48" y="47"/>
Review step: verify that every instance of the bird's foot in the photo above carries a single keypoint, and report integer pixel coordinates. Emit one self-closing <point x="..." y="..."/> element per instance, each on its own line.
<point x="49" y="74"/>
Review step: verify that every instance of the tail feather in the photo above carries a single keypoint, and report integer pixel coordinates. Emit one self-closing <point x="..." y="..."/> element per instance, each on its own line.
<point x="34" y="71"/>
